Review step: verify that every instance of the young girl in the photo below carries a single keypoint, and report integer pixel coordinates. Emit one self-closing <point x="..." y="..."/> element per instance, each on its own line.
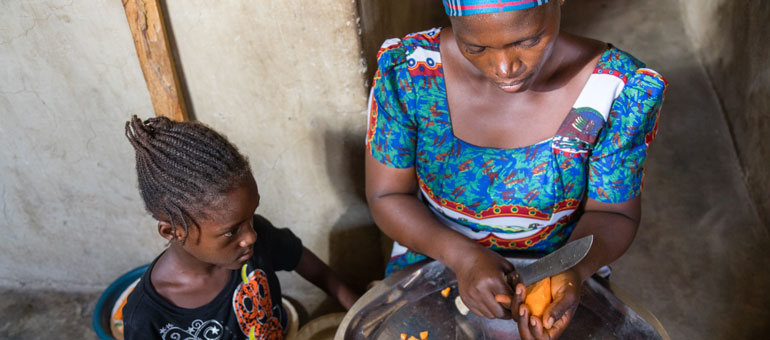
<point x="216" y="279"/>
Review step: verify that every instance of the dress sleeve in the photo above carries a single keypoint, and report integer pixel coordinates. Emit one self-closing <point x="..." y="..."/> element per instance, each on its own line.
<point x="617" y="160"/>
<point x="391" y="129"/>
<point x="284" y="248"/>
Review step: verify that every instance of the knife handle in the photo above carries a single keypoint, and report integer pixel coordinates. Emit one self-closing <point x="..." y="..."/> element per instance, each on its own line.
<point x="512" y="279"/>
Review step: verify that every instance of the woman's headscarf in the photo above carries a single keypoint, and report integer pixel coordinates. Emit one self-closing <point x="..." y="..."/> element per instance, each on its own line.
<point x="458" y="8"/>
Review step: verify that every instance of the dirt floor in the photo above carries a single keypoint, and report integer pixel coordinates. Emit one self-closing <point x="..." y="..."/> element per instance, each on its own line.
<point x="37" y="314"/>
<point x="700" y="260"/>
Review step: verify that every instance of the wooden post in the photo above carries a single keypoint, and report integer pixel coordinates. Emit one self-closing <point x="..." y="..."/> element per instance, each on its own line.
<point x="148" y="29"/>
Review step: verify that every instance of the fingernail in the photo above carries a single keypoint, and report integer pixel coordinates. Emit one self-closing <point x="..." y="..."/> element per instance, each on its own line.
<point x="521" y="311"/>
<point x="550" y="322"/>
<point x="532" y="321"/>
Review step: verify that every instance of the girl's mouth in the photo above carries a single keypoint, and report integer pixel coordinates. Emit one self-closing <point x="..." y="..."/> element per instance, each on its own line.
<point x="245" y="257"/>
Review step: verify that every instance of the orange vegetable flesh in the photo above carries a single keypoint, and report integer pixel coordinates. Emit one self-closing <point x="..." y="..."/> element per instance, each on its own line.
<point x="538" y="296"/>
<point x="424" y="335"/>
<point x="445" y="291"/>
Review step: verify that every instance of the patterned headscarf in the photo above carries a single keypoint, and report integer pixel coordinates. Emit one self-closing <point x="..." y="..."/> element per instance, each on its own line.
<point x="456" y="8"/>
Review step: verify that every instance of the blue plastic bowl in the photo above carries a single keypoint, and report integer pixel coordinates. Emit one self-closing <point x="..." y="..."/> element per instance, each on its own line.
<point x="101" y="317"/>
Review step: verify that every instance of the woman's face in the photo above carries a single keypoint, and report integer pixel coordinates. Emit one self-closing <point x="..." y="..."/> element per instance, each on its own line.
<point x="509" y="48"/>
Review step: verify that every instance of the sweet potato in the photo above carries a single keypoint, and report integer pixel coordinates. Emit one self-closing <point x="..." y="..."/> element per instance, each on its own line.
<point x="538" y="296"/>
<point x="445" y="291"/>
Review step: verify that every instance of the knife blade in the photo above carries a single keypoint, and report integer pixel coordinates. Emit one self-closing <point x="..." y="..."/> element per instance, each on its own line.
<point x="556" y="262"/>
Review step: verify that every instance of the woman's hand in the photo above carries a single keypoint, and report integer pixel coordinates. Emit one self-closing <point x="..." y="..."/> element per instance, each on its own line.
<point x="565" y="291"/>
<point x="480" y="276"/>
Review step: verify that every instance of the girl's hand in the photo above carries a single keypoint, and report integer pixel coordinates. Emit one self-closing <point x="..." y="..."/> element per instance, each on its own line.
<point x="347" y="297"/>
<point x="480" y="276"/>
<point x="565" y="290"/>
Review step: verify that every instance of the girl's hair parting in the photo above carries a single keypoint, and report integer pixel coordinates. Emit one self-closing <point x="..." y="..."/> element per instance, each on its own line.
<point x="182" y="167"/>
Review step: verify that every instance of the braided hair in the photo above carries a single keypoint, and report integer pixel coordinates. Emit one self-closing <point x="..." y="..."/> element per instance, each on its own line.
<point x="183" y="167"/>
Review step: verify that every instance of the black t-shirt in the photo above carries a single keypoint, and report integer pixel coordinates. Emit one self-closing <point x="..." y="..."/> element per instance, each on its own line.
<point x="235" y="311"/>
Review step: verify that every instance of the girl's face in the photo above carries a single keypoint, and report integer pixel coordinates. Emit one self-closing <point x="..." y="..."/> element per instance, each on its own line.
<point x="225" y="236"/>
<point x="509" y="49"/>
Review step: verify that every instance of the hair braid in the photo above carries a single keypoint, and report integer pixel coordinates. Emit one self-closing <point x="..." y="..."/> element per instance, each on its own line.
<point x="182" y="166"/>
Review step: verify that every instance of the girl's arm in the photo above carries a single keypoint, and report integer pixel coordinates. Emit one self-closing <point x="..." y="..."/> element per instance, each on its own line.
<point x="318" y="273"/>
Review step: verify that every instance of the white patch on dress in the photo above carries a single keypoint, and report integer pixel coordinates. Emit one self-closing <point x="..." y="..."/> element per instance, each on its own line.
<point x="596" y="96"/>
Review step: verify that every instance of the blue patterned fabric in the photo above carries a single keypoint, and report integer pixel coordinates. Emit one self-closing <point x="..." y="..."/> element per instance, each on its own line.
<point x="525" y="198"/>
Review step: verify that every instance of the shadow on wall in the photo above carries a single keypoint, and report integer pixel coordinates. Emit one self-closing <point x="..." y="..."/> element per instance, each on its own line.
<point x="737" y="57"/>
<point x="353" y="247"/>
<point x="183" y="89"/>
<point x="354" y="241"/>
<point x="385" y="19"/>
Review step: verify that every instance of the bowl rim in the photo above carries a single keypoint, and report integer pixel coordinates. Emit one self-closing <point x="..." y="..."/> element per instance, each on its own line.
<point x="108" y="299"/>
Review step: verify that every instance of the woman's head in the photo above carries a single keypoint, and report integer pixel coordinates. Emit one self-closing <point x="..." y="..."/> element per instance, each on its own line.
<point x="509" y="48"/>
<point x="184" y="168"/>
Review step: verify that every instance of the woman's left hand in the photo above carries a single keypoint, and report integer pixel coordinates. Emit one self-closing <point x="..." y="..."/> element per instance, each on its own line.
<point x="565" y="291"/>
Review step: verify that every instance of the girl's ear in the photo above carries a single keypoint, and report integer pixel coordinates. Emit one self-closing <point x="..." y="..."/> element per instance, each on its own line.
<point x="169" y="232"/>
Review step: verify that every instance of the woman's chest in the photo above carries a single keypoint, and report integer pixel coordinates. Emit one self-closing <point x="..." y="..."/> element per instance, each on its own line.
<point x="477" y="178"/>
<point x="505" y="121"/>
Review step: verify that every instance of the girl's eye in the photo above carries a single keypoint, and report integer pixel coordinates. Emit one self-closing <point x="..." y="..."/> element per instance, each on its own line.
<point x="228" y="234"/>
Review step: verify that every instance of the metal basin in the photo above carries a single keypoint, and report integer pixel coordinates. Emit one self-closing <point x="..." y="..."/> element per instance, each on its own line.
<point x="410" y="302"/>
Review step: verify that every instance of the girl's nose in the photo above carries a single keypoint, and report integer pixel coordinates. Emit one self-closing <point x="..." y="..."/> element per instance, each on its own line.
<point x="249" y="238"/>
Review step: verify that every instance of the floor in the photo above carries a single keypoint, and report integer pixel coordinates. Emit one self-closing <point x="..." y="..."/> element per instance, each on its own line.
<point x="700" y="259"/>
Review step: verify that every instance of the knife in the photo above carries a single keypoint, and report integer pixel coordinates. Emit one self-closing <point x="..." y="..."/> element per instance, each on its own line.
<point x="556" y="262"/>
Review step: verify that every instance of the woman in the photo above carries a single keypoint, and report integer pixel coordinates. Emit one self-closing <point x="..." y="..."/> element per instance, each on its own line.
<point x="515" y="136"/>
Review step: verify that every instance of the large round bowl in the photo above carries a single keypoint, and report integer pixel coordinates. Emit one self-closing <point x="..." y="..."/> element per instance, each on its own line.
<point x="410" y="302"/>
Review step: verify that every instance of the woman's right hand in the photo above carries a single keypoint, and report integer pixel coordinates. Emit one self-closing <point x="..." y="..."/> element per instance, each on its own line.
<point x="480" y="276"/>
<point x="398" y="212"/>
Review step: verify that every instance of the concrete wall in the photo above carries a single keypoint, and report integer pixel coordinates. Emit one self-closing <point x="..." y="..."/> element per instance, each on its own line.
<point x="731" y="40"/>
<point x="283" y="79"/>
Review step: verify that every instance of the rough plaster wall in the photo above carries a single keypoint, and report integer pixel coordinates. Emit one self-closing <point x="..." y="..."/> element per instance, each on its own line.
<point x="282" y="79"/>
<point x="731" y="40"/>
<point x="71" y="213"/>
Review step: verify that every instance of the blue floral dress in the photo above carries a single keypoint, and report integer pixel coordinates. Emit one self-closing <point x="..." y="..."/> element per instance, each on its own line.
<point x="525" y="198"/>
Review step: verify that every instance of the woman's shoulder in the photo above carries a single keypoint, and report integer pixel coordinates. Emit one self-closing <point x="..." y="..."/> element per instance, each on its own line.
<point x="395" y="51"/>
<point x="632" y="71"/>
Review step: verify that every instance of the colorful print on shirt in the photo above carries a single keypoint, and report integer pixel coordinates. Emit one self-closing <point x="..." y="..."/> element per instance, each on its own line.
<point x="253" y="307"/>
<point x="525" y="198"/>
